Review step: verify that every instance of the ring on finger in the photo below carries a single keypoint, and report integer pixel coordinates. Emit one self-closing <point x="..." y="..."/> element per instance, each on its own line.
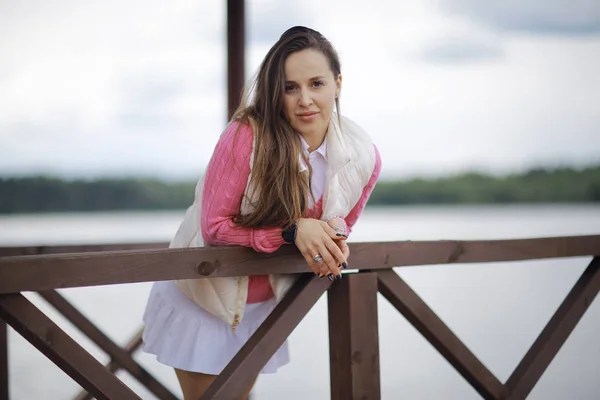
<point x="318" y="259"/>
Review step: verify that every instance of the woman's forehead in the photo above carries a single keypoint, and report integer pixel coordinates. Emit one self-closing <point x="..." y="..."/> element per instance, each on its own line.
<point x="305" y="65"/>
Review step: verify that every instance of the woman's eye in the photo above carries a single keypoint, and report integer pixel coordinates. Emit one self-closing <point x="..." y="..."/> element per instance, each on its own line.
<point x="318" y="83"/>
<point x="289" y="88"/>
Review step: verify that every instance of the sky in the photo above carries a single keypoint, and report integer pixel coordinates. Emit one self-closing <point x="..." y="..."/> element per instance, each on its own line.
<point x="138" y="88"/>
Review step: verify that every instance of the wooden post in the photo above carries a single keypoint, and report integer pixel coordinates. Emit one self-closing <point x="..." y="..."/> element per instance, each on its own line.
<point x="3" y="360"/>
<point x="235" y="54"/>
<point x="354" y="338"/>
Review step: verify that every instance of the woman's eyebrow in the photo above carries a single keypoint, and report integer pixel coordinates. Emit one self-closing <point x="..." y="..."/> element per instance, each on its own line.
<point x="310" y="79"/>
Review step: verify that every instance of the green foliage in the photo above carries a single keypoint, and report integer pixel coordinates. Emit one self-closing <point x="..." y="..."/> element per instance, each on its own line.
<point x="43" y="194"/>
<point x="561" y="185"/>
<point x="46" y="194"/>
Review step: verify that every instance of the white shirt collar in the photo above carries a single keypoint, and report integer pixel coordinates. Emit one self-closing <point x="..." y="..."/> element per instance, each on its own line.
<point x="321" y="150"/>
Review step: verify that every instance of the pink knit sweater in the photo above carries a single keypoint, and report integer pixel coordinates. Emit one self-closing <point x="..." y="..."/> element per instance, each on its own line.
<point x="224" y="186"/>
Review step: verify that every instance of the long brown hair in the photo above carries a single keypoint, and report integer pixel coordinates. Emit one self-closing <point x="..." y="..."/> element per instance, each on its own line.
<point x="280" y="190"/>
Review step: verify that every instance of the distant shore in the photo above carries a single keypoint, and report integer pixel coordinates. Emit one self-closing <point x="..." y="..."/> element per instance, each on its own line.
<point x="50" y="194"/>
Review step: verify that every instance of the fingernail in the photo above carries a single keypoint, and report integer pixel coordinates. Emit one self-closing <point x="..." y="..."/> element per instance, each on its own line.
<point x="339" y="277"/>
<point x="340" y="235"/>
<point x="331" y="278"/>
<point x="345" y="264"/>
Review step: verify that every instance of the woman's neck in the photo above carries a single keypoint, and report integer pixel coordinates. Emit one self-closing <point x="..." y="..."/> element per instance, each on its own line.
<point x="314" y="140"/>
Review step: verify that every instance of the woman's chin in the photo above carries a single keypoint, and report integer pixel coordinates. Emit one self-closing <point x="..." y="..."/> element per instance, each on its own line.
<point x="309" y="129"/>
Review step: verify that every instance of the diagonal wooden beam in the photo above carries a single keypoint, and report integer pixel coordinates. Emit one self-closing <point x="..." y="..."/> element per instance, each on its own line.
<point x="418" y="313"/>
<point x="134" y="343"/>
<point x="556" y="332"/>
<point x="61" y="349"/>
<point x="122" y="357"/>
<point x="247" y="363"/>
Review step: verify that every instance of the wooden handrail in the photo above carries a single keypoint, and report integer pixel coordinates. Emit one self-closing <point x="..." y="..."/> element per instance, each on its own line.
<point x="44" y="272"/>
<point x="13" y="251"/>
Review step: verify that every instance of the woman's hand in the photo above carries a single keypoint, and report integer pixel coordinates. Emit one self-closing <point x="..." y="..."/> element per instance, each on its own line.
<point x="316" y="238"/>
<point x="339" y="226"/>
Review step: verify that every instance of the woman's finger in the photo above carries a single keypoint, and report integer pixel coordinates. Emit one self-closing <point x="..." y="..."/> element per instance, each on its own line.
<point x="328" y="258"/>
<point x="311" y="264"/>
<point x="338" y="254"/>
<point x="332" y="233"/>
<point x="318" y="262"/>
<point x="309" y="256"/>
<point x="345" y="249"/>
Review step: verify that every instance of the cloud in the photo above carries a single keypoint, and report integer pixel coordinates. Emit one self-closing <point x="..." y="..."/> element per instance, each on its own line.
<point x="559" y="17"/>
<point x="267" y="20"/>
<point x="110" y="88"/>
<point x="460" y="50"/>
<point x="102" y="93"/>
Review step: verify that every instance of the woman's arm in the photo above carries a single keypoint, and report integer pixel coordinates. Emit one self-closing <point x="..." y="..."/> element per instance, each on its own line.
<point x="224" y="187"/>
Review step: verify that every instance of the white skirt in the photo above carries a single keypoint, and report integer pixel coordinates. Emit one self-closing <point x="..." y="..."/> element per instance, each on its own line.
<point x="183" y="335"/>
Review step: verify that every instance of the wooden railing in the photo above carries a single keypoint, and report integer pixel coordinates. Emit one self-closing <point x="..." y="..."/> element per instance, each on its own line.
<point x="352" y="303"/>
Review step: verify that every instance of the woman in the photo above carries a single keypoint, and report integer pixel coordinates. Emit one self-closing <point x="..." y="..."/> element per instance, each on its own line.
<point x="286" y="170"/>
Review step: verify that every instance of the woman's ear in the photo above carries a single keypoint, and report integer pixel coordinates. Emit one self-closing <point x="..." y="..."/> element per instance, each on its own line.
<point x="338" y="86"/>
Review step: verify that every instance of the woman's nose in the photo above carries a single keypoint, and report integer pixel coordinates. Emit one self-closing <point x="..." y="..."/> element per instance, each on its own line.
<point x="305" y="99"/>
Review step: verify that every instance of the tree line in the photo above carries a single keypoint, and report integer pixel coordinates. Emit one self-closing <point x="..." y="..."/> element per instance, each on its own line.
<point x="50" y="194"/>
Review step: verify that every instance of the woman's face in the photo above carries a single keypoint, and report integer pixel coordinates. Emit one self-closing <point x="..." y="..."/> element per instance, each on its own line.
<point x="310" y="92"/>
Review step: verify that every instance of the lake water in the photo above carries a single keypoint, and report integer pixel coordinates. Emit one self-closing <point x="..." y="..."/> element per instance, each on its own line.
<point x="496" y="309"/>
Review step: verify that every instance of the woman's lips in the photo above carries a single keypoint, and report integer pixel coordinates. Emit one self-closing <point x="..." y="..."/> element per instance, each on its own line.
<point x="307" y="116"/>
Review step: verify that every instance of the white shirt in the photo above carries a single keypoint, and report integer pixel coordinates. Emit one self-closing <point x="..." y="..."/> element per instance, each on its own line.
<point x="318" y="163"/>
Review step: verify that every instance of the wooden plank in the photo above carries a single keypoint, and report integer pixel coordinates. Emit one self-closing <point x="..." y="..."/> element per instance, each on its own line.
<point x="121" y="356"/>
<point x="134" y="343"/>
<point x="4" y="392"/>
<point x="247" y="363"/>
<point x="418" y="313"/>
<point x="556" y="332"/>
<point x="354" y="338"/>
<point x="236" y="44"/>
<point x="61" y="349"/>
<point x="36" y="273"/>
<point x="383" y="255"/>
<point x="39" y="250"/>
<point x="53" y="271"/>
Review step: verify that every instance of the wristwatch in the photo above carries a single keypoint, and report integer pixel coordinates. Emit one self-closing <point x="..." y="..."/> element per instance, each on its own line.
<point x="289" y="234"/>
